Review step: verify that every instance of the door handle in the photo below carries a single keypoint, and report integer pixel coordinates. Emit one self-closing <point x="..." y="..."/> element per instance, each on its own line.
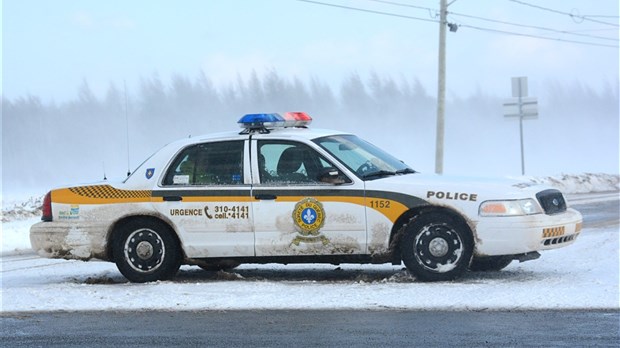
<point x="265" y="197"/>
<point x="172" y="198"/>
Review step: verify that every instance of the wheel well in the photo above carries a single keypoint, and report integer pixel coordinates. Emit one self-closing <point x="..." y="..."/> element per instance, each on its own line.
<point x="412" y="213"/>
<point x="124" y="221"/>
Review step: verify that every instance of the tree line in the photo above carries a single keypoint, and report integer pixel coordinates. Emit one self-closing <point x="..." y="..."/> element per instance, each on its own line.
<point x="81" y="138"/>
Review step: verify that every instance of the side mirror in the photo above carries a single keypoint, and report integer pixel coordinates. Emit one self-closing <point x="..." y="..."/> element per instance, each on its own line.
<point x="332" y="176"/>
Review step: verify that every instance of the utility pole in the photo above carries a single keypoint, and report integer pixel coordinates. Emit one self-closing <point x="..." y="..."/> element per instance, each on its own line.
<point x="441" y="87"/>
<point x="520" y="86"/>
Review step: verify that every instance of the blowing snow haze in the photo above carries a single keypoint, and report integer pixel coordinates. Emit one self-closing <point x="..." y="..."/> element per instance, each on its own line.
<point x="68" y="118"/>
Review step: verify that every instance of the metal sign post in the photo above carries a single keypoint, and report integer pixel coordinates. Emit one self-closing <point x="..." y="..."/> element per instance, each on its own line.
<point x="521" y="106"/>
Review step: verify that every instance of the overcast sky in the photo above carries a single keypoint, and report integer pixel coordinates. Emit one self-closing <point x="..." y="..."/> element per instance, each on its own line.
<point x="50" y="47"/>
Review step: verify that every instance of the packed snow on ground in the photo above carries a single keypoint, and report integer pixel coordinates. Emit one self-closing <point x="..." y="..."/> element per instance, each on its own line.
<point x="581" y="183"/>
<point x="581" y="276"/>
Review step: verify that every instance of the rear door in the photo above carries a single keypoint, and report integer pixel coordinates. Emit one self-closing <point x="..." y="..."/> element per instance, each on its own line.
<point x="205" y="193"/>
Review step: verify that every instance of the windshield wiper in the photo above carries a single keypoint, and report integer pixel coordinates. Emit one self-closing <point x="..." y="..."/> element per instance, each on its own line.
<point x="378" y="173"/>
<point x="406" y="171"/>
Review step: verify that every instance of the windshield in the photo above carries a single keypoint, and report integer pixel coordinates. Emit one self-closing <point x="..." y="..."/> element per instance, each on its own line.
<point x="362" y="158"/>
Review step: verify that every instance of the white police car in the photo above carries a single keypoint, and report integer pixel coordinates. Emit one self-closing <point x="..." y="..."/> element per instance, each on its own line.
<point x="281" y="192"/>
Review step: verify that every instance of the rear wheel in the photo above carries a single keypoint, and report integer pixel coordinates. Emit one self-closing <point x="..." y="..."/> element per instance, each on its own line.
<point x="146" y="250"/>
<point x="490" y="263"/>
<point x="436" y="247"/>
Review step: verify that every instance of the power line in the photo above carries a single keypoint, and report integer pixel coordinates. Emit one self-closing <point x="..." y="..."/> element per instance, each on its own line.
<point x="370" y="11"/>
<point x="573" y="16"/>
<point x="535" y="36"/>
<point x="533" y="27"/>
<point x="602" y="16"/>
<point x="405" y="5"/>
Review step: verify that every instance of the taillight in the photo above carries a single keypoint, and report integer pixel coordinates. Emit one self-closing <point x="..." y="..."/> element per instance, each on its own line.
<point x="47" y="207"/>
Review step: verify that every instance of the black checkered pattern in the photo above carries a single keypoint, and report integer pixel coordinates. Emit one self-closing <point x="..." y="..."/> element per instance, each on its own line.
<point x="109" y="192"/>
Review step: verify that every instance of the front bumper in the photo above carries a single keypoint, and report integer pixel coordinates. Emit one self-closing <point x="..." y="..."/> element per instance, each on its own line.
<point x="524" y="234"/>
<point x="69" y="240"/>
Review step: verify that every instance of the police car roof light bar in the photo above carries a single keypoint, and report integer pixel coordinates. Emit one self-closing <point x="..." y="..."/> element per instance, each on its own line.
<point x="296" y="119"/>
<point x="261" y="122"/>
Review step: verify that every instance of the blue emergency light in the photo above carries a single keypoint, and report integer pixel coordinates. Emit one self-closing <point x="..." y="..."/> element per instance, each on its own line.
<point x="252" y="122"/>
<point x="258" y="121"/>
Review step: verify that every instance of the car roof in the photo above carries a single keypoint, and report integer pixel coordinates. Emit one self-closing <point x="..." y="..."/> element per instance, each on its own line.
<point x="289" y="132"/>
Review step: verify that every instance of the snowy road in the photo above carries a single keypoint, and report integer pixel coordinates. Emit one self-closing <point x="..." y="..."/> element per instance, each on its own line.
<point x="584" y="275"/>
<point x="598" y="209"/>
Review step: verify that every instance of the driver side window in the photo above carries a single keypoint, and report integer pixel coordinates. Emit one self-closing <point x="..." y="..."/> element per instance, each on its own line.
<point x="282" y="162"/>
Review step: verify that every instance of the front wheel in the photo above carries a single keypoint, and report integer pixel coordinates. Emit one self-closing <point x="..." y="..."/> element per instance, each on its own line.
<point x="436" y="247"/>
<point x="146" y="250"/>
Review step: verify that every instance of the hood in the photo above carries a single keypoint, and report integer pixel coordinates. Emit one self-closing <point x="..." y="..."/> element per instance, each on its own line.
<point x="441" y="187"/>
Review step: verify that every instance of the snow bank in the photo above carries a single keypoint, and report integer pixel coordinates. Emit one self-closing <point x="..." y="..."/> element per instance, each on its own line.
<point x="580" y="183"/>
<point x="19" y="210"/>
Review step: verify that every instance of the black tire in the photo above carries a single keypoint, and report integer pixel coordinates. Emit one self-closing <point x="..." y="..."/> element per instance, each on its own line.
<point x="490" y="263"/>
<point x="436" y="247"/>
<point x="146" y="250"/>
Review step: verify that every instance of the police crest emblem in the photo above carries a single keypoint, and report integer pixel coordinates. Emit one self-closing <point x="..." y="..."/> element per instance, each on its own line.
<point x="149" y="173"/>
<point x="309" y="218"/>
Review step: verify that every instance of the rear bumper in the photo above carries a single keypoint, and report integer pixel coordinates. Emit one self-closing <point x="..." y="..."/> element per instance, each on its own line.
<point x="69" y="240"/>
<point x="524" y="234"/>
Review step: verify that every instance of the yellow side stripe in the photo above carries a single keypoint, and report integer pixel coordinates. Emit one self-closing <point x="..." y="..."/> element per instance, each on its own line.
<point x="106" y="194"/>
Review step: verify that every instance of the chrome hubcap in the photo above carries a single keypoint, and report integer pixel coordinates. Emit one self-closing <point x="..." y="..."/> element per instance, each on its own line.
<point x="438" y="247"/>
<point x="144" y="250"/>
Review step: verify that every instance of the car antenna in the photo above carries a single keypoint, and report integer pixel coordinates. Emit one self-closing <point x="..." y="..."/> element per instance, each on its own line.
<point x="127" y="127"/>
<point x="104" y="176"/>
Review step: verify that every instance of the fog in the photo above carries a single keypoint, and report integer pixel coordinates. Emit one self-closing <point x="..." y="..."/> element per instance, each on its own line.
<point x="47" y="144"/>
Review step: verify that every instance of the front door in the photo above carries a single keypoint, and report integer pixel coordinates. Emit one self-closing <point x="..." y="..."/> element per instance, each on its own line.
<point x="296" y="209"/>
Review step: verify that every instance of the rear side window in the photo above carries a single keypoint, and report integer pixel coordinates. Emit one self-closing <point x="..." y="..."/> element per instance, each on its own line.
<point x="218" y="163"/>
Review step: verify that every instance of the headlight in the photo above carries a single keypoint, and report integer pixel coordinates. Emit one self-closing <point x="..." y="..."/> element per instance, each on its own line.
<point x="510" y="208"/>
